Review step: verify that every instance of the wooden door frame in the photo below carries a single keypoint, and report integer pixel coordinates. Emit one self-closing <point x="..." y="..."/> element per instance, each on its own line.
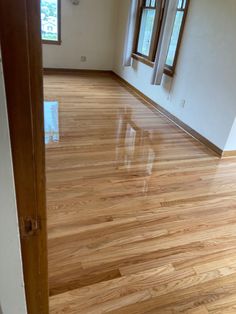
<point x="20" y="40"/>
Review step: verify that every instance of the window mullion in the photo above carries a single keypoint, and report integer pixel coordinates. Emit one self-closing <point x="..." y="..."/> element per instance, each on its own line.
<point x="156" y="30"/>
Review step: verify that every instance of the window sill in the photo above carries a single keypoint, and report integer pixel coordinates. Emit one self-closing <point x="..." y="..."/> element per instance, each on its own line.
<point x="167" y="70"/>
<point x="142" y="59"/>
<point x="51" y="42"/>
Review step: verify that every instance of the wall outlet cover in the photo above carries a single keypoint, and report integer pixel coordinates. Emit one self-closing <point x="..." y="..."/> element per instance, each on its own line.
<point x="183" y="103"/>
<point x="83" y="58"/>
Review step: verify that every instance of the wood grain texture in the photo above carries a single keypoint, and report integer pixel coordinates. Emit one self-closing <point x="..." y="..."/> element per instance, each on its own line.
<point x="229" y="153"/>
<point x="173" y="118"/>
<point x="141" y="216"/>
<point x="22" y="63"/>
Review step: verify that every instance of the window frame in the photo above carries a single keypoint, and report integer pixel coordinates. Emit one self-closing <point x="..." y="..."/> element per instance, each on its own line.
<point x="58" y="41"/>
<point x="169" y="70"/>
<point x="156" y="30"/>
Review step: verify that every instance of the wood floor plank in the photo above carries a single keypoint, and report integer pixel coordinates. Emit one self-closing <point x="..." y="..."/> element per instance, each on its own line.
<point x="199" y="310"/>
<point x="141" y="216"/>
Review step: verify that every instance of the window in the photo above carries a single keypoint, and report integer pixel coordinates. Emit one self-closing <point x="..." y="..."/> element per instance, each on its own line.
<point x="149" y="22"/>
<point x="176" y="35"/>
<point x="148" y="25"/>
<point x="50" y="21"/>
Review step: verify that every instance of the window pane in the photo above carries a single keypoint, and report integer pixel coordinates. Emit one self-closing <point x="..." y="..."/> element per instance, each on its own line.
<point x="180" y="4"/>
<point x="146" y="29"/>
<point x="150" y="3"/>
<point x="153" y="3"/>
<point x="174" y="38"/>
<point x="49" y="17"/>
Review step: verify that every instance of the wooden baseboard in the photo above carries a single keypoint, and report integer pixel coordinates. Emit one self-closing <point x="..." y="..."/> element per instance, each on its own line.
<point x="52" y="71"/>
<point x="154" y="106"/>
<point x="229" y="153"/>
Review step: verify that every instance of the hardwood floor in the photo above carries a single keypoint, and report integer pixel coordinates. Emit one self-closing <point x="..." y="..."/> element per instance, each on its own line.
<point x="141" y="217"/>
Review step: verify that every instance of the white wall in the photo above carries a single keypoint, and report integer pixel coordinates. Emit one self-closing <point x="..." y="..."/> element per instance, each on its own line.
<point x="231" y="142"/>
<point x="87" y="30"/>
<point x="206" y="71"/>
<point x="12" y="297"/>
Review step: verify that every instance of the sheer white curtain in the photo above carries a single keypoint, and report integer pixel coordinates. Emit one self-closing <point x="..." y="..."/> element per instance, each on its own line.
<point x="129" y="38"/>
<point x="164" y="41"/>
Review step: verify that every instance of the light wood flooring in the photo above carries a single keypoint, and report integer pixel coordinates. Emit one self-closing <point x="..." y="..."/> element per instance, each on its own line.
<point x="141" y="217"/>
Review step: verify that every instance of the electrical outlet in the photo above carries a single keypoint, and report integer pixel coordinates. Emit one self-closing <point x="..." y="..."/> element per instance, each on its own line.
<point x="182" y="103"/>
<point x="75" y="2"/>
<point x="83" y="58"/>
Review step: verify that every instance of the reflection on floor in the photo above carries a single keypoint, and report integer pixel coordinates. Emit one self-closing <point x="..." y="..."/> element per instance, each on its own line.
<point x="51" y="127"/>
<point x="141" y="217"/>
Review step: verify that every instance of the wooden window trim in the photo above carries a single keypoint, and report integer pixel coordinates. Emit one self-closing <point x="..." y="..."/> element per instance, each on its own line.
<point x="56" y="42"/>
<point x="167" y="71"/>
<point x="170" y="71"/>
<point x="156" y="29"/>
<point x="142" y="59"/>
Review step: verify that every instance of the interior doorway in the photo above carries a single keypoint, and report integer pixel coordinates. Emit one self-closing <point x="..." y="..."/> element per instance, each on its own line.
<point x="22" y="65"/>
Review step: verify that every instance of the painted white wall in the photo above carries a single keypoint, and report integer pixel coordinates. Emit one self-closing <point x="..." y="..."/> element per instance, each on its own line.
<point x="87" y="30"/>
<point x="206" y="71"/>
<point x="12" y="295"/>
<point x="231" y="142"/>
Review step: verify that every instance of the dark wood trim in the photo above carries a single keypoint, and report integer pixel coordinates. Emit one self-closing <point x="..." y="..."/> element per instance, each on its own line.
<point x="135" y="56"/>
<point x="142" y="59"/>
<point x="52" y="71"/>
<point x="172" y="69"/>
<point x="156" y="107"/>
<point x="20" y="39"/>
<point x="157" y="30"/>
<point x="155" y="33"/>
<point x="137" y="26"/>
<point x="169" y="70"/>
<point x="51" y="42"/>
<point x="56" y="42"/>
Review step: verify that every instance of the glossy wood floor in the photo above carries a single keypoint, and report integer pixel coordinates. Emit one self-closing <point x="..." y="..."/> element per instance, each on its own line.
<point x="141" y="217"/>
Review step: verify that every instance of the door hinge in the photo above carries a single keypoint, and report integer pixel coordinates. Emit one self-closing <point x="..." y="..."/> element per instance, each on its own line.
<point x="29" y="226"/>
